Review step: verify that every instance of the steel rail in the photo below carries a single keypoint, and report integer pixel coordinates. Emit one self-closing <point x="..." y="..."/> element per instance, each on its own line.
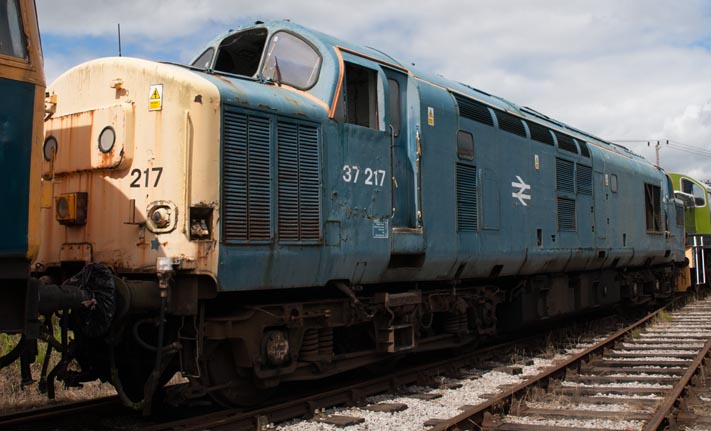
<point x="473" y="418"/>
<point x="666" y="409"/>
<point x="239" y="420"/>
<point x="55" y="411"/>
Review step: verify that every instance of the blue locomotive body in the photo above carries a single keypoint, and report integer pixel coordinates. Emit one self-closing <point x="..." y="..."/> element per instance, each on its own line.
<point x="434" y="181"/>
<point x="294" y="206"/>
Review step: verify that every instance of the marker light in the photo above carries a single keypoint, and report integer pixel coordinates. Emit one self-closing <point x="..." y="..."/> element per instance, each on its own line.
<point x="107" y="138"/>
<point x="50" y="147"/>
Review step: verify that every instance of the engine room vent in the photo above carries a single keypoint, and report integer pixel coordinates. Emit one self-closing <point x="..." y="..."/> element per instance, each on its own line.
<point x="566" y="143"/>
<point x="564" y="176"/>
<point x="583" y="178"/>
<point x="467" y="201"/>
<point x="566" y="214"/>
<point x="583" y="148"/>
<point x="246" y="180"/>
<point x="473" y="110"/>
<point x="299" y="183"/>
<point x="540" y="133"/>
<point x="510" y="123"/>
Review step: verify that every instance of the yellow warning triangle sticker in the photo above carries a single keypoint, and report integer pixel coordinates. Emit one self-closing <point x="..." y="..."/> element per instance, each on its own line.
<point x="155" y="94"/>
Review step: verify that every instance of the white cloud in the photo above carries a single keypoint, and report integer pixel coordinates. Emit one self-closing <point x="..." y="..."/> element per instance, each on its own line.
<point x="617" y="69"/>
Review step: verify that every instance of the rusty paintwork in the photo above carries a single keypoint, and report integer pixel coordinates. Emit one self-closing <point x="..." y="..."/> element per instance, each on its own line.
<point x="78" y="136"/>
<point x="179" y="150"/>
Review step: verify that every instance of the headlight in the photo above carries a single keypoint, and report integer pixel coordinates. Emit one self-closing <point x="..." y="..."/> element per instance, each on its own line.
<point x="107" y="139"/>
<point x="162" y="216"/>
<point x="49" y="148"/>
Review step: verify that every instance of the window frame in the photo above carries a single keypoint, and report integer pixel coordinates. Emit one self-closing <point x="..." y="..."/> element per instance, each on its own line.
<point x="374" y="90"/>
<point x="266" y="53"/>
<point x="460" y="154"/>
<point x="653" y="208"/>
<point x="18" y="19"/>
<point x="29" y="63"/>
<point x="394" y="108"/>
<point x="222" y="48"/>
<point x="693" y="186"/>
<point x="212" y="52"/>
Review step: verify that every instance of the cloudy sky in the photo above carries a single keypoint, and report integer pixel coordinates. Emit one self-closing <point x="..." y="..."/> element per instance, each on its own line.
<point x="631" y="71"/>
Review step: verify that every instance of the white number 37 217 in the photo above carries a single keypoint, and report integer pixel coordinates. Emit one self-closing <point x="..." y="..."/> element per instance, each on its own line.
<point x="370" y="177"/>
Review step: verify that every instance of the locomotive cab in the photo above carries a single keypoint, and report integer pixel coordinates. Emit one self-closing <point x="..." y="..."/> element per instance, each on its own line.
<point x="697" y="214"/>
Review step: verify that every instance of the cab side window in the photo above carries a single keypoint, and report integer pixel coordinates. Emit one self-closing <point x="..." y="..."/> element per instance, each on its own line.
<point x="291" y="61"/>
<point x="695" y="190"/>
<point x="465" y="145"/>
<point x="12" y="36"/>
<point x="239" y="53"/>
<point x="205" y="59"/>
<point x="653" y="207"/>
<point x="359" y="97"/>
<point x="613" y="183"/>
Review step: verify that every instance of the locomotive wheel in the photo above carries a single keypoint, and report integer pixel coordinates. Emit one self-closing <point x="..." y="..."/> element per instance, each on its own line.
<point x="234" y="386"/>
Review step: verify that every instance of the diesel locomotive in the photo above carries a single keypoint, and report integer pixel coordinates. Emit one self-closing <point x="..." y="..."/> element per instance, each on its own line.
<point x="290" y="206"/>
<point x="22" y="88"/>
<point x="697" y="221"/>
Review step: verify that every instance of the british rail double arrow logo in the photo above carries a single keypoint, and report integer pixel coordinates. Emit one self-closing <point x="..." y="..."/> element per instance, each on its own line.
<point x="523" y="188"/>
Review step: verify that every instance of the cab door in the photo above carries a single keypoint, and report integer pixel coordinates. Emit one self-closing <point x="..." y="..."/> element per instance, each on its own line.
<point x="601" y="194"/>
<point x="408" y="245"/>
<point x="404" y="166"/>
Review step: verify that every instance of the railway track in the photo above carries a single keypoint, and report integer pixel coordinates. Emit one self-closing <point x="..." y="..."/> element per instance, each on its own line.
<point x="430" y="375"/>
<point x="57" y="414"/>
<point x="528" y="388"/>
<point x="64" y="416"/>
<point x="416" y="384"/>
<point x="649" y="377"/>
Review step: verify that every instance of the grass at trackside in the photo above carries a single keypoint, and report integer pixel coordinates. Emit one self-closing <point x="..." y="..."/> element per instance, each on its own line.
<point x="14" y="398"/>
<point x="7" y="342"/>
<point x="664" y="316"/>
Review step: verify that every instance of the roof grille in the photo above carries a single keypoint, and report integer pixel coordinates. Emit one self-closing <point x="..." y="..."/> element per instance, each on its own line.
<point x="540" y="133"/>
<point x="566" y="142"/>
<point x="510" y="123"/>
<point x="473" y="110"/>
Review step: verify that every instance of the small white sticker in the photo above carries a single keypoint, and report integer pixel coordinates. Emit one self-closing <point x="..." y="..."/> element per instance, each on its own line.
<point x="537" y="162"/>
<point x="430" y="116"/>
<point x="380" y="229"/>
<point x="155" y="100"/>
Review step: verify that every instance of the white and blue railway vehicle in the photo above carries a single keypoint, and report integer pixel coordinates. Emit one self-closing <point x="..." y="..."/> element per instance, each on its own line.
<point x="292" y="206"/>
